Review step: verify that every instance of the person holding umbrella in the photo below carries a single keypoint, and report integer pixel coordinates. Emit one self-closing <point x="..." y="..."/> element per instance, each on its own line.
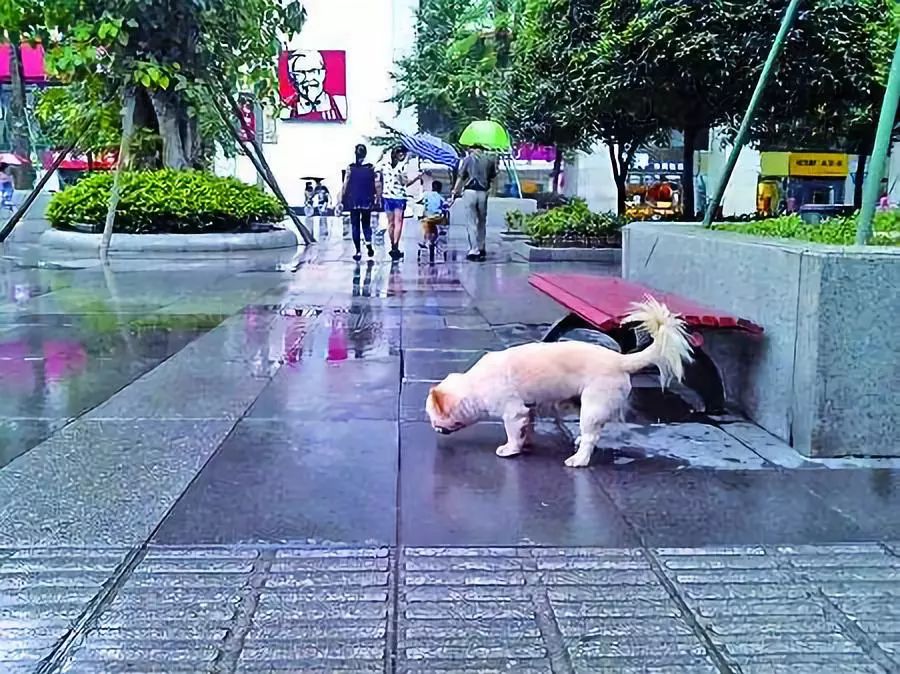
<point x="476" y="175"/>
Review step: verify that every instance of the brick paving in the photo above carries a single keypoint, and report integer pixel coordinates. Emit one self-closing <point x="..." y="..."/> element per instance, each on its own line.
<point x="825" y="608"/>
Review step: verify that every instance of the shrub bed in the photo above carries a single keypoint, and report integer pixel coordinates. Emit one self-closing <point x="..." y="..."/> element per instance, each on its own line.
<point x="165" y="202"/>
<point x="837" y="231"/>
<point x="572" y="225"/>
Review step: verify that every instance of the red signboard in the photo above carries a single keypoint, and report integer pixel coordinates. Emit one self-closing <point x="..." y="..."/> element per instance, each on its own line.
<point x="313" y="85"/>
<point x="32" y="63"/>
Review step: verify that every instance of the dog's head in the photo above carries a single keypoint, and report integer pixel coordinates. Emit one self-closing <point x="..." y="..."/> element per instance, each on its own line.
<point x="446" y="405"/>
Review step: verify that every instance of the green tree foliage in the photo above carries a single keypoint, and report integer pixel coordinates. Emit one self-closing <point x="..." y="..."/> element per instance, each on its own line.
<point x="456" y="63"/>
<point x="826" y="92"/>
<point x="172" y="55"/>
<point x="535" y="105"/>
<point x="624" y="72"/>
<point x="688" y="61"/>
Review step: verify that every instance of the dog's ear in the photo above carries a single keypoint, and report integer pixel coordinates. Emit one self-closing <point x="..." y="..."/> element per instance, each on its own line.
<point x="440" y="401"/>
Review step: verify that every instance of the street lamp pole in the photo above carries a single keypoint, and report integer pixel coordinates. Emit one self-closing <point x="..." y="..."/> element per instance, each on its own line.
<point x="879" y="151"/>
<point x="741" y="139"/>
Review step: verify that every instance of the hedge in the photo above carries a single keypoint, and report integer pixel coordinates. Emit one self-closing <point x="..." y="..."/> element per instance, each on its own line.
<point x="165" y="201"/>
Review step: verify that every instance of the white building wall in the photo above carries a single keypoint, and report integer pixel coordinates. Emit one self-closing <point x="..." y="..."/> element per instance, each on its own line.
<point x="590" y="177"/>
<point x="372" y="33"/>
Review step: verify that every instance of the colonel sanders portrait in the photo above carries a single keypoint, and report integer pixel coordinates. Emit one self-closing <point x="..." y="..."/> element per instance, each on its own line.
<point x="313" y="85"/>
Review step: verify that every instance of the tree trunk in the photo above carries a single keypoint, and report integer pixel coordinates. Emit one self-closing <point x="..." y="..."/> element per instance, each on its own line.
<point x="168" y="115"/>
<point x="128" y="102"/>
<point x="18" y="116"/>
<point x="557" y="170"/>
<point x="688" y="204"/>
<point x="620" y="176"/>
<point x="859" y="180"/>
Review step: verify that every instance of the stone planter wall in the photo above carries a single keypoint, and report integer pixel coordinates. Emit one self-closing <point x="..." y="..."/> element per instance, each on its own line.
<point x="824" y="375"/>
<point x="524" y="250"/>
<point x="170" y="243"/>
<point x="497" y="209"/>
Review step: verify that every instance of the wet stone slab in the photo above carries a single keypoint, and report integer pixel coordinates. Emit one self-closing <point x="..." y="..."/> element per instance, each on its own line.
<point x="337" y="390"/>
<point x="17" y="436"/>
<point x="456" y="491"/>
<point x="706" y="507"/>
<point x="85" y="486"/>
<point x="276" y="481"/>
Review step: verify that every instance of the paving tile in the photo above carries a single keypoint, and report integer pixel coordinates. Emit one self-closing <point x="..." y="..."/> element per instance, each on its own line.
<point x="17" y="436"/>
<point x="767" y="617"/>
<point x="218" y="390"/>
<point x="275" y="481"/>
<point x="338" y="623"/>
<point x="348" y="389"/>
<point x="467" y="613"/>
<point x="43" y="591"/>
<point x="462" y="339"/>
<point x="102" y="482"/>
<point x="870" y="497"/>
<point x="714" y="507"/>
<point x="456" y="491"/>
<point x="164" y="619"/>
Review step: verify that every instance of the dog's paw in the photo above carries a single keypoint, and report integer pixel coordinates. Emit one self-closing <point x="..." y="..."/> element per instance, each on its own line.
<point x="508" y="450"/>
<point x="578" y="460"/>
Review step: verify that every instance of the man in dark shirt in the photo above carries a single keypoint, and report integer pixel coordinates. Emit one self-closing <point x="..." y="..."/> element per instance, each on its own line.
<point x="476" y="174"/>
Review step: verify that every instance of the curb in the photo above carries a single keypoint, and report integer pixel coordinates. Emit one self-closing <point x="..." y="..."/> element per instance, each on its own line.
<point x="170" y="243"/>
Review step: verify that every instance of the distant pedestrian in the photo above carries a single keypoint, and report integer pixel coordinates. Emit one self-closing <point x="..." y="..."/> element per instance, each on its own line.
<point x="308" y="199"/>
<point x="6" y="186"/>
<point x="359" y="196"/>
<point x="321" y="199"/>
<point x="392" y="189"/>
<point x="476" y="174"/>
<point x="884" y="203"/>
<point x="434" y="213"/>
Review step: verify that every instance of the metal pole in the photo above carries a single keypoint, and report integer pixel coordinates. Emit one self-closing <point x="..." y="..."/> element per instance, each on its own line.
<point x="741" y="139"/>
<point x="879" y="151"/>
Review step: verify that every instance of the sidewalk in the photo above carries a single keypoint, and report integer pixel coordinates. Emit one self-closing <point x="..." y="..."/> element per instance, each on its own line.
<point x="221" y="464"/>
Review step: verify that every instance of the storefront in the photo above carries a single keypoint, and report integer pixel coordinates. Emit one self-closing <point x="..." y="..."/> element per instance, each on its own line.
<point x="789" y="180"/>
<point x="654" y="187"/>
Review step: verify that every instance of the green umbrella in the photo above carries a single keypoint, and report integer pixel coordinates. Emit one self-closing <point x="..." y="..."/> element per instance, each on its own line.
<point x="487" y="134"/>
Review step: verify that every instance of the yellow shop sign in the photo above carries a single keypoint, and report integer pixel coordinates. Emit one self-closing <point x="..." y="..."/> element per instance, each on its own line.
<point x="819" y="164"/>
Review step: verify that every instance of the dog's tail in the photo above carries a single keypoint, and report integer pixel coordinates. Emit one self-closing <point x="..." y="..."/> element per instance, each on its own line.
<point x="670" y="348"/>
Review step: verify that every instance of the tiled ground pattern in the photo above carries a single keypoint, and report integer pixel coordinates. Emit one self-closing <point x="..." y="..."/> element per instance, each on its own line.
<point x="244" y="609"/>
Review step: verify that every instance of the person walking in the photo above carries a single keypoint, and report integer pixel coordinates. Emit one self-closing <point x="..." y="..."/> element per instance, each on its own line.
<point x="359" y="196"/>
<point x="7" y="187"/>
<point x="393" y="183"/>
<point x="476" y="174"/>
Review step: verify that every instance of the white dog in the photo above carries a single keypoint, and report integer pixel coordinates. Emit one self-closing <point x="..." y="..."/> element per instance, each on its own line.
<point x="511" y="384"/>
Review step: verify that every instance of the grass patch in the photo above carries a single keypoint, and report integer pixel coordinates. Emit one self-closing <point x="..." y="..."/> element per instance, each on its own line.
<point x="839" y="231"/>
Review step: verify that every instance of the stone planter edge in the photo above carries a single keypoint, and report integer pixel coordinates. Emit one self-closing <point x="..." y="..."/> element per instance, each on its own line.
<point x="817" y="378"/>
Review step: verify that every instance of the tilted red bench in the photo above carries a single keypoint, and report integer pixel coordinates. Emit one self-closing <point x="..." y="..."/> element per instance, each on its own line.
<point x="602" y="302"/>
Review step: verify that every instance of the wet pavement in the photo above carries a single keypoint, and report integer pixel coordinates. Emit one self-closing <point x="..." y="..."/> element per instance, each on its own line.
<point x="223" y="464"/>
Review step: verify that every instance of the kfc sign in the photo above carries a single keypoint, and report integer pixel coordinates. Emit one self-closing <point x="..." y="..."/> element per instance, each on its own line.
<point x="313" y="85"/>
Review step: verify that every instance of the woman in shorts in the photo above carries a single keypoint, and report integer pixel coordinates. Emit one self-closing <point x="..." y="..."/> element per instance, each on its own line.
<point x="393" y="184"/>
